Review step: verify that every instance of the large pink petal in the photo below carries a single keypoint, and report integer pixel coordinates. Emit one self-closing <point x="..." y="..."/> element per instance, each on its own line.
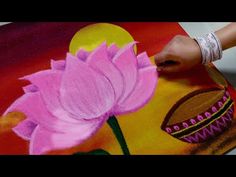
<point x="85" y="92"/>
<point x="142" y="93"/>
<point x="112" y="50"/>
<point x="126" y="61"/>
<point x="49" y="82"/>
<point x="44" y="140"/>
<point x="99" y="61"/>
<point x="143" y="60"/>
<point x="32" y="105"/>
<point x="25" y="129"/>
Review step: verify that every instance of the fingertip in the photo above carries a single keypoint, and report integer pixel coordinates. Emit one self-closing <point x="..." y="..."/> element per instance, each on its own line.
<point x="158" y="59"/>
<point x="156" y="56"/>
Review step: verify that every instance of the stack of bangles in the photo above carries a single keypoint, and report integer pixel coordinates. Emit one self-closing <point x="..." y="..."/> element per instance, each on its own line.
<point x="211" y="48"/>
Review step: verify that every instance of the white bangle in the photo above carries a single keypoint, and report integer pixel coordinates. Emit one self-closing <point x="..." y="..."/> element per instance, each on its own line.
<point x="211" y="48"/>
<point x="217" y="47"/>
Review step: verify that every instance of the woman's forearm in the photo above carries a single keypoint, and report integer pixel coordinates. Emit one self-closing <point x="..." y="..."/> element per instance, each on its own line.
<point x="227" y="36"/>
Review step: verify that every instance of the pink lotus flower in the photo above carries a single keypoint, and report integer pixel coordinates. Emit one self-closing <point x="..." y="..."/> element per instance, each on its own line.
<point x="68" y="103"/>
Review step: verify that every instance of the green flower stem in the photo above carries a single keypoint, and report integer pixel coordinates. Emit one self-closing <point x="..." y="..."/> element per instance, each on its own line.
<point x="113" y="123"/>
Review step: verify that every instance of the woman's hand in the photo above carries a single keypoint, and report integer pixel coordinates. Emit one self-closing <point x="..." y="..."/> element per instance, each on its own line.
<point x="181" y="53"/>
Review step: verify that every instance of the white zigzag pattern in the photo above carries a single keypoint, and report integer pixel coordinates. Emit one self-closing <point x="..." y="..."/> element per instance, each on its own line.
<point x="209" y="131"/>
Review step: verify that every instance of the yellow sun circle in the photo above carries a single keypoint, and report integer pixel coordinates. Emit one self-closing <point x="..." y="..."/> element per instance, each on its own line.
<point x="93" y="35"/>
